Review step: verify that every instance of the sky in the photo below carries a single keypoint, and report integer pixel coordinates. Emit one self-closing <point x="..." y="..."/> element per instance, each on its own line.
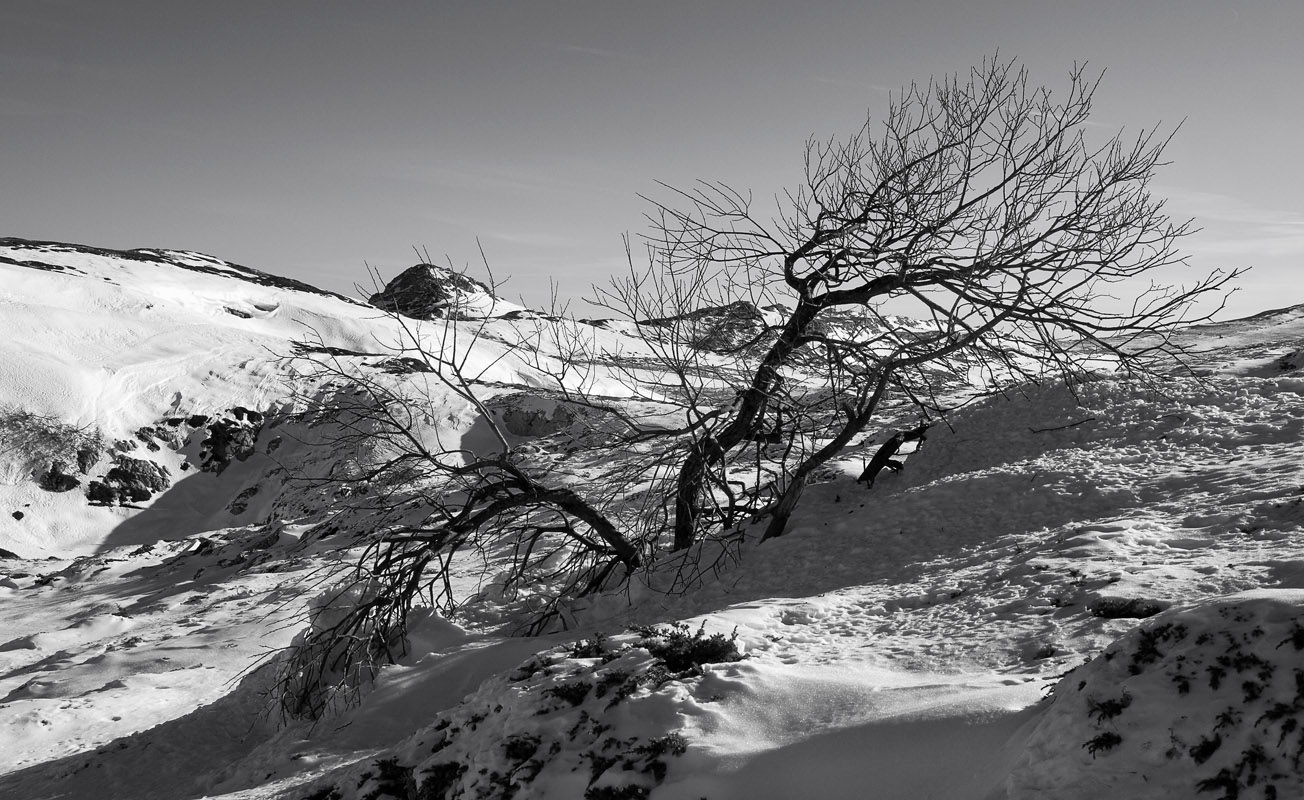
<point x="319" y="139"/>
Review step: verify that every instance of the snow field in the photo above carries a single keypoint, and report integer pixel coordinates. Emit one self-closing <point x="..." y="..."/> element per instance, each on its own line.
<point x="899" y="642"/>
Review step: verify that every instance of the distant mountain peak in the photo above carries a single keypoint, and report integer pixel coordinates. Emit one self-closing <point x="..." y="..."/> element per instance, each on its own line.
<point x="429" y="291"/>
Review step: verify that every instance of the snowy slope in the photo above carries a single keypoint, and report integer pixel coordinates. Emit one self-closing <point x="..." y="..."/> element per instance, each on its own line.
<point x="1065" y="594"/>
<point x="120" y="347"/>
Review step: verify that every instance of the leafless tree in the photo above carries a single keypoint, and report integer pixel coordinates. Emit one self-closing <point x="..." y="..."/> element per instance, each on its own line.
<point x="421" y="498"/>
<point x="1023" y="246"/>
<point x="979" y="204"/>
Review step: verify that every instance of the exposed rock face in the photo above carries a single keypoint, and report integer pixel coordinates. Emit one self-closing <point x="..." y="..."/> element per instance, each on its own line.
<point x="232" y="438"/>
<point x="523" y="420"/>
<point x="101" y="493"/>
<point x="716" y="328"/>
<point x="56" y="480"/>
<point x="132" y="480"/>
<point x="426" y="291"/>
<point x="86" y="458"/>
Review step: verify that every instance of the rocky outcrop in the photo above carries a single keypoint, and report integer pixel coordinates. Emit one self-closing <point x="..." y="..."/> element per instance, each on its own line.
<point x="55" y="479"/>
<point x="131" y="480"/>
<point x="427" y="291"/>
<point x="536" y="419"/>
<point x="716" y="328"/>
<point x="230" y="438"/>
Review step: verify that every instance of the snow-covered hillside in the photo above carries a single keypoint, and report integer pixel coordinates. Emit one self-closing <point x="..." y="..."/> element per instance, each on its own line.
<point x="1067" y="593"/>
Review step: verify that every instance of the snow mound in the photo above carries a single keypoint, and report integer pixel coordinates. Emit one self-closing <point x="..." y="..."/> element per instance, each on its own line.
<point x="1113" y="419"/>
<point x="1206" y="699"/>
<point x="582" y="720"/>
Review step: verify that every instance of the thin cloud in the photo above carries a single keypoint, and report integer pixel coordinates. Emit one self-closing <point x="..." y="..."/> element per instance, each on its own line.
<point x="601" y="52"/>
<point x="1232" y="226"/>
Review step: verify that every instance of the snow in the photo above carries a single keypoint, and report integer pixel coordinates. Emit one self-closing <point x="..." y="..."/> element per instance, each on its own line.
<point x="1047" y="573"/>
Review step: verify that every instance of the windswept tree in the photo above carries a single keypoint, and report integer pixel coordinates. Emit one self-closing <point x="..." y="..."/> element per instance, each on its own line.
<point x="981" y="205"/>
<point x="979" y="229"/>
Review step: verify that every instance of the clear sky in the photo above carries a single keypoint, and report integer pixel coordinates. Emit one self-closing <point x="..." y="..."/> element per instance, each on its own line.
<point x="309" y="138"/>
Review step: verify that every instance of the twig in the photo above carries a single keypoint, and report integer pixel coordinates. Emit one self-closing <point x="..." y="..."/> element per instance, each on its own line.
<point x="1062" y="427"/>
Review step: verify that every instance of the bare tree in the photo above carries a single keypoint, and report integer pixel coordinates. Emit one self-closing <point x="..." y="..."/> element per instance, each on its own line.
<point x="421" y="497"/>
<point x="979" y="205"/>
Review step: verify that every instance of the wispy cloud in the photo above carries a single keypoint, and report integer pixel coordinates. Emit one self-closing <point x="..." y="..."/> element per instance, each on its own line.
<point x="602" y="52"/>
<point x="1232" y="226"/>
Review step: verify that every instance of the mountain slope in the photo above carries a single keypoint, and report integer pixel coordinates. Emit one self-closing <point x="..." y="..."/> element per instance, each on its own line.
<point x="1131" y="552"/>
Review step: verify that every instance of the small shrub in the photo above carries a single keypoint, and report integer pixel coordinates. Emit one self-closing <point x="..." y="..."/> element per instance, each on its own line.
<point x="1206" y="748"/>
<point x="520" y="747"/>
<point x="1108" y="709"/>
<point x="682" y="651"/>
<point x="597" y="647"/>
<point x="573" y="693"/>
<point x="439" y="780"/>
<point x="616" y="679"/>
<point x="1103" y="743"/>
<point x="393" y="779"/>
<point x="39" y="440"/>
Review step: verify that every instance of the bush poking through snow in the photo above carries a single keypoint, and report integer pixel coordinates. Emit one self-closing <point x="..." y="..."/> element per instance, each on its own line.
<point x="1209" y="697"/>
<point x="586" y="720"/>
<point x="37" y="442"/>
<point x="682" y="652"/>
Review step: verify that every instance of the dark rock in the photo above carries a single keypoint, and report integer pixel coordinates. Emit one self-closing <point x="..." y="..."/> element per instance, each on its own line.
<point x="56" y="480"/>
<point x="405" y="365"/>
<point x="228" y="440"/>
<point x="524" y="421"/>
<point x="133" y="494"/>
<point x="132" y="480"/>
<point x="9" y="554"/>
<point x="426" y="291"/>
<point x="1125" y="608"/>
<point x="152" y="435"/>
<point x="197" y="421"/>
<point x="101" y="493"/>
<point x="122" y="446"/>
<point x="87" y="458"/>
<point x="242" y="414"/>
<point x="18" y="515"/>
<point x="139" y="473"/>
<point x="717" y="328"/>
